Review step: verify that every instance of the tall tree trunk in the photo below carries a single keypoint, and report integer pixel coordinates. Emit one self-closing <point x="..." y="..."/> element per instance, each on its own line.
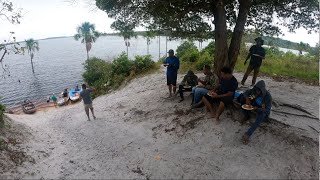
<point x="127" y="51"/>
<point x="237" y="34"/>
<point x="147" y="49"/>
<point x="159" y="47"/>
<point x="221" y="45"/>
<point x="87" y="55"/>
<point x="32" y="65"/>
<point x="166" y="46"/>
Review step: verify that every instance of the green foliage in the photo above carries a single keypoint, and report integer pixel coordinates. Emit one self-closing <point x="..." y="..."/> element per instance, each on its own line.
<point x="2" y="110"/>
<point x="121" y="65"/>
<point x="87" y="33"/>
<point x="142" y="63"/>
<point x="210" y="49"/>
<point x="125" y="28"/>
<point x="190" y="55"/>
<point x="205" y="59"/>
<point x="96" y="70"/>
<point x="184" y="48"/>
<point x="104" y="76"/>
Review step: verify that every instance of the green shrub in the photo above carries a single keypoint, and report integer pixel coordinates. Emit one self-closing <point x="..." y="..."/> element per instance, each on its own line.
<point x="143" y="63"/>
<point x="192" y="55"/>
<point x="2" y="110"/>
<point x="104" y="76"/>
<point x="209" y="48"/>
<point x="205" y="59"/>
<point x="184" y="48"/>
<point x="96" y="70"/>
<point x="121" y="65"/>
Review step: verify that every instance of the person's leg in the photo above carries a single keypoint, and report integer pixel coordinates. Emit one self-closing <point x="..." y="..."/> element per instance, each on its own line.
<point x="199" y="93"/>
<point x="170" y="90"/>
<point x="87" y="112"/>
<point x="209" y="106"/>
<point x="249" y="69"/>
<point x="255" y="75"/>
<point x="260" y="118"/>
<point x="181" y="92"/>
<point x="169" y="83"/>
<point x="91" y="109"/>
<point x="219" y="111"/>
<point x="246" y="113"/>
<point x="174" y="83"/>
<point x="192" y="93"/>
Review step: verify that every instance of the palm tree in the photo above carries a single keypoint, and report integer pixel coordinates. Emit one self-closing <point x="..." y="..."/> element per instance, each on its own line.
<point x="149" y="35"/>
<point x="301" y="47"/>
<point x="32" y="46"/>
<point x="126" y="30"/>
<point x="88" y="35"/>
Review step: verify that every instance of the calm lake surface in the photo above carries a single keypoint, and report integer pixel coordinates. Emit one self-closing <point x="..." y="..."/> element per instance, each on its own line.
<point x="59" y="65"/>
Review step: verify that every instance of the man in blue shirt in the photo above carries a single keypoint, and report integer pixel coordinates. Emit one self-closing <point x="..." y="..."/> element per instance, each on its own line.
<point x="256" y="54"/>
<point x="172" y="63"/>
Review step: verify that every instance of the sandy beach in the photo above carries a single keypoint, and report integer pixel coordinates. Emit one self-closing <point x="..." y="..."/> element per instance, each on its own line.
<point x="139" y="133"/>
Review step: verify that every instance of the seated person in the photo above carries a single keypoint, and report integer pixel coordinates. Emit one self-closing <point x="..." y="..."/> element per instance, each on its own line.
<point x="203" y="86"/>
<point x="65" y="96"/>
<point x="222" y="95"/>
<point x="261" y="100"/>
<point x="189" y="81"/>
<point x="77" y="88"/>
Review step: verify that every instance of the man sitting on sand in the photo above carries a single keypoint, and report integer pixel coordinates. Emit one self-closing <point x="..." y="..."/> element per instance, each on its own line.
<point x="87" y="101"/>
<point x="189" y="81"/>
<point x="222" y="95"/>
<point x="203" y="87"/>
<point x="77" y="88"/>
<point x="260" y="99"/>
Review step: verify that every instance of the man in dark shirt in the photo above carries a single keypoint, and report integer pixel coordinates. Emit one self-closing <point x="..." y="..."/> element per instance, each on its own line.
<point x="172" y="63"/>
<point x="189" y="81"/>
<point x="256" y="54"/>
<point x="222" y="95"/>
<point x="87" y="101"/>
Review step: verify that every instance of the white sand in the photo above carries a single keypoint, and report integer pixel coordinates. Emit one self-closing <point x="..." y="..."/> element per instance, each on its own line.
<point x="140" y="134"/>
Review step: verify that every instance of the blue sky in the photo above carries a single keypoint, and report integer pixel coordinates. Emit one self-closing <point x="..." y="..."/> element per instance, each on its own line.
<point x="50" y="18"/>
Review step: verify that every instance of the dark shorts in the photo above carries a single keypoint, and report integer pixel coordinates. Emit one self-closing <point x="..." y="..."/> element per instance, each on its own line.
<point x="172" y="79"/>
<point x="226" y="100"/>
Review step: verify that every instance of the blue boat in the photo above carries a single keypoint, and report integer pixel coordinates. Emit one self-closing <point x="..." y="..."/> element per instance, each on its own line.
<point x="74" y="95"/>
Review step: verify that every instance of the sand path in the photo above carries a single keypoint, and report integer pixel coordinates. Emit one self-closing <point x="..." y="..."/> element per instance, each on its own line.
<point x="140" y="134"/>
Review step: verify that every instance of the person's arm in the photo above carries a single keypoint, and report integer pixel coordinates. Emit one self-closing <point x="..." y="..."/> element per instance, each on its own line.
<point x="249" y="55"/>
<point x="183" y="82"/>
<point x="230" y="93"/>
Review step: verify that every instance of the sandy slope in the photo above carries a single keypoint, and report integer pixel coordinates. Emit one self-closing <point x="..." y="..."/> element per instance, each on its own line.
<point x="140" y="134"/>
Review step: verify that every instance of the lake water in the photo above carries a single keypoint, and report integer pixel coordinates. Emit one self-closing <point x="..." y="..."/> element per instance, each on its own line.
<point x="59" y="65"/>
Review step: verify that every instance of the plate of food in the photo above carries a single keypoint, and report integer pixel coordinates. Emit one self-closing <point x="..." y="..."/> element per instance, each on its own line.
<point x="247" y="107"/>
<point x="211" y="94"/>
<point x="187" y="86"/>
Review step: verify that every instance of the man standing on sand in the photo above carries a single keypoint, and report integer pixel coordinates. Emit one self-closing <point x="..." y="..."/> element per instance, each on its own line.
<point x="172" y="63"/>
<point x="87" y="101"/>
<point x="257" y="53"/>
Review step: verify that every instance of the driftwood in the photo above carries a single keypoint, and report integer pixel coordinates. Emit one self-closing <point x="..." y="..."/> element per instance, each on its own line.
<point x="297" y="107"/>
<point x="301" y="115"/>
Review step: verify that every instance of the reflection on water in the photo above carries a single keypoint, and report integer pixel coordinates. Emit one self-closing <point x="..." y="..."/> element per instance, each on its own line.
<point x="59" y="65"/>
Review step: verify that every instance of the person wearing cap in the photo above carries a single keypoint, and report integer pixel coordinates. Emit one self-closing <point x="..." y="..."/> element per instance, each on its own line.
<point x="256" y="54"/>
<point x="172" y="63"/>
<point x="189" y="81"/>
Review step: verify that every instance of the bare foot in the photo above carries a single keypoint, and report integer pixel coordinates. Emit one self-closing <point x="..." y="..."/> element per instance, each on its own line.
<point x="94" y="117"/>
<point x="217" y="121"/>
<point x="89" y="119"/>
<point x="245" y="139"/>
